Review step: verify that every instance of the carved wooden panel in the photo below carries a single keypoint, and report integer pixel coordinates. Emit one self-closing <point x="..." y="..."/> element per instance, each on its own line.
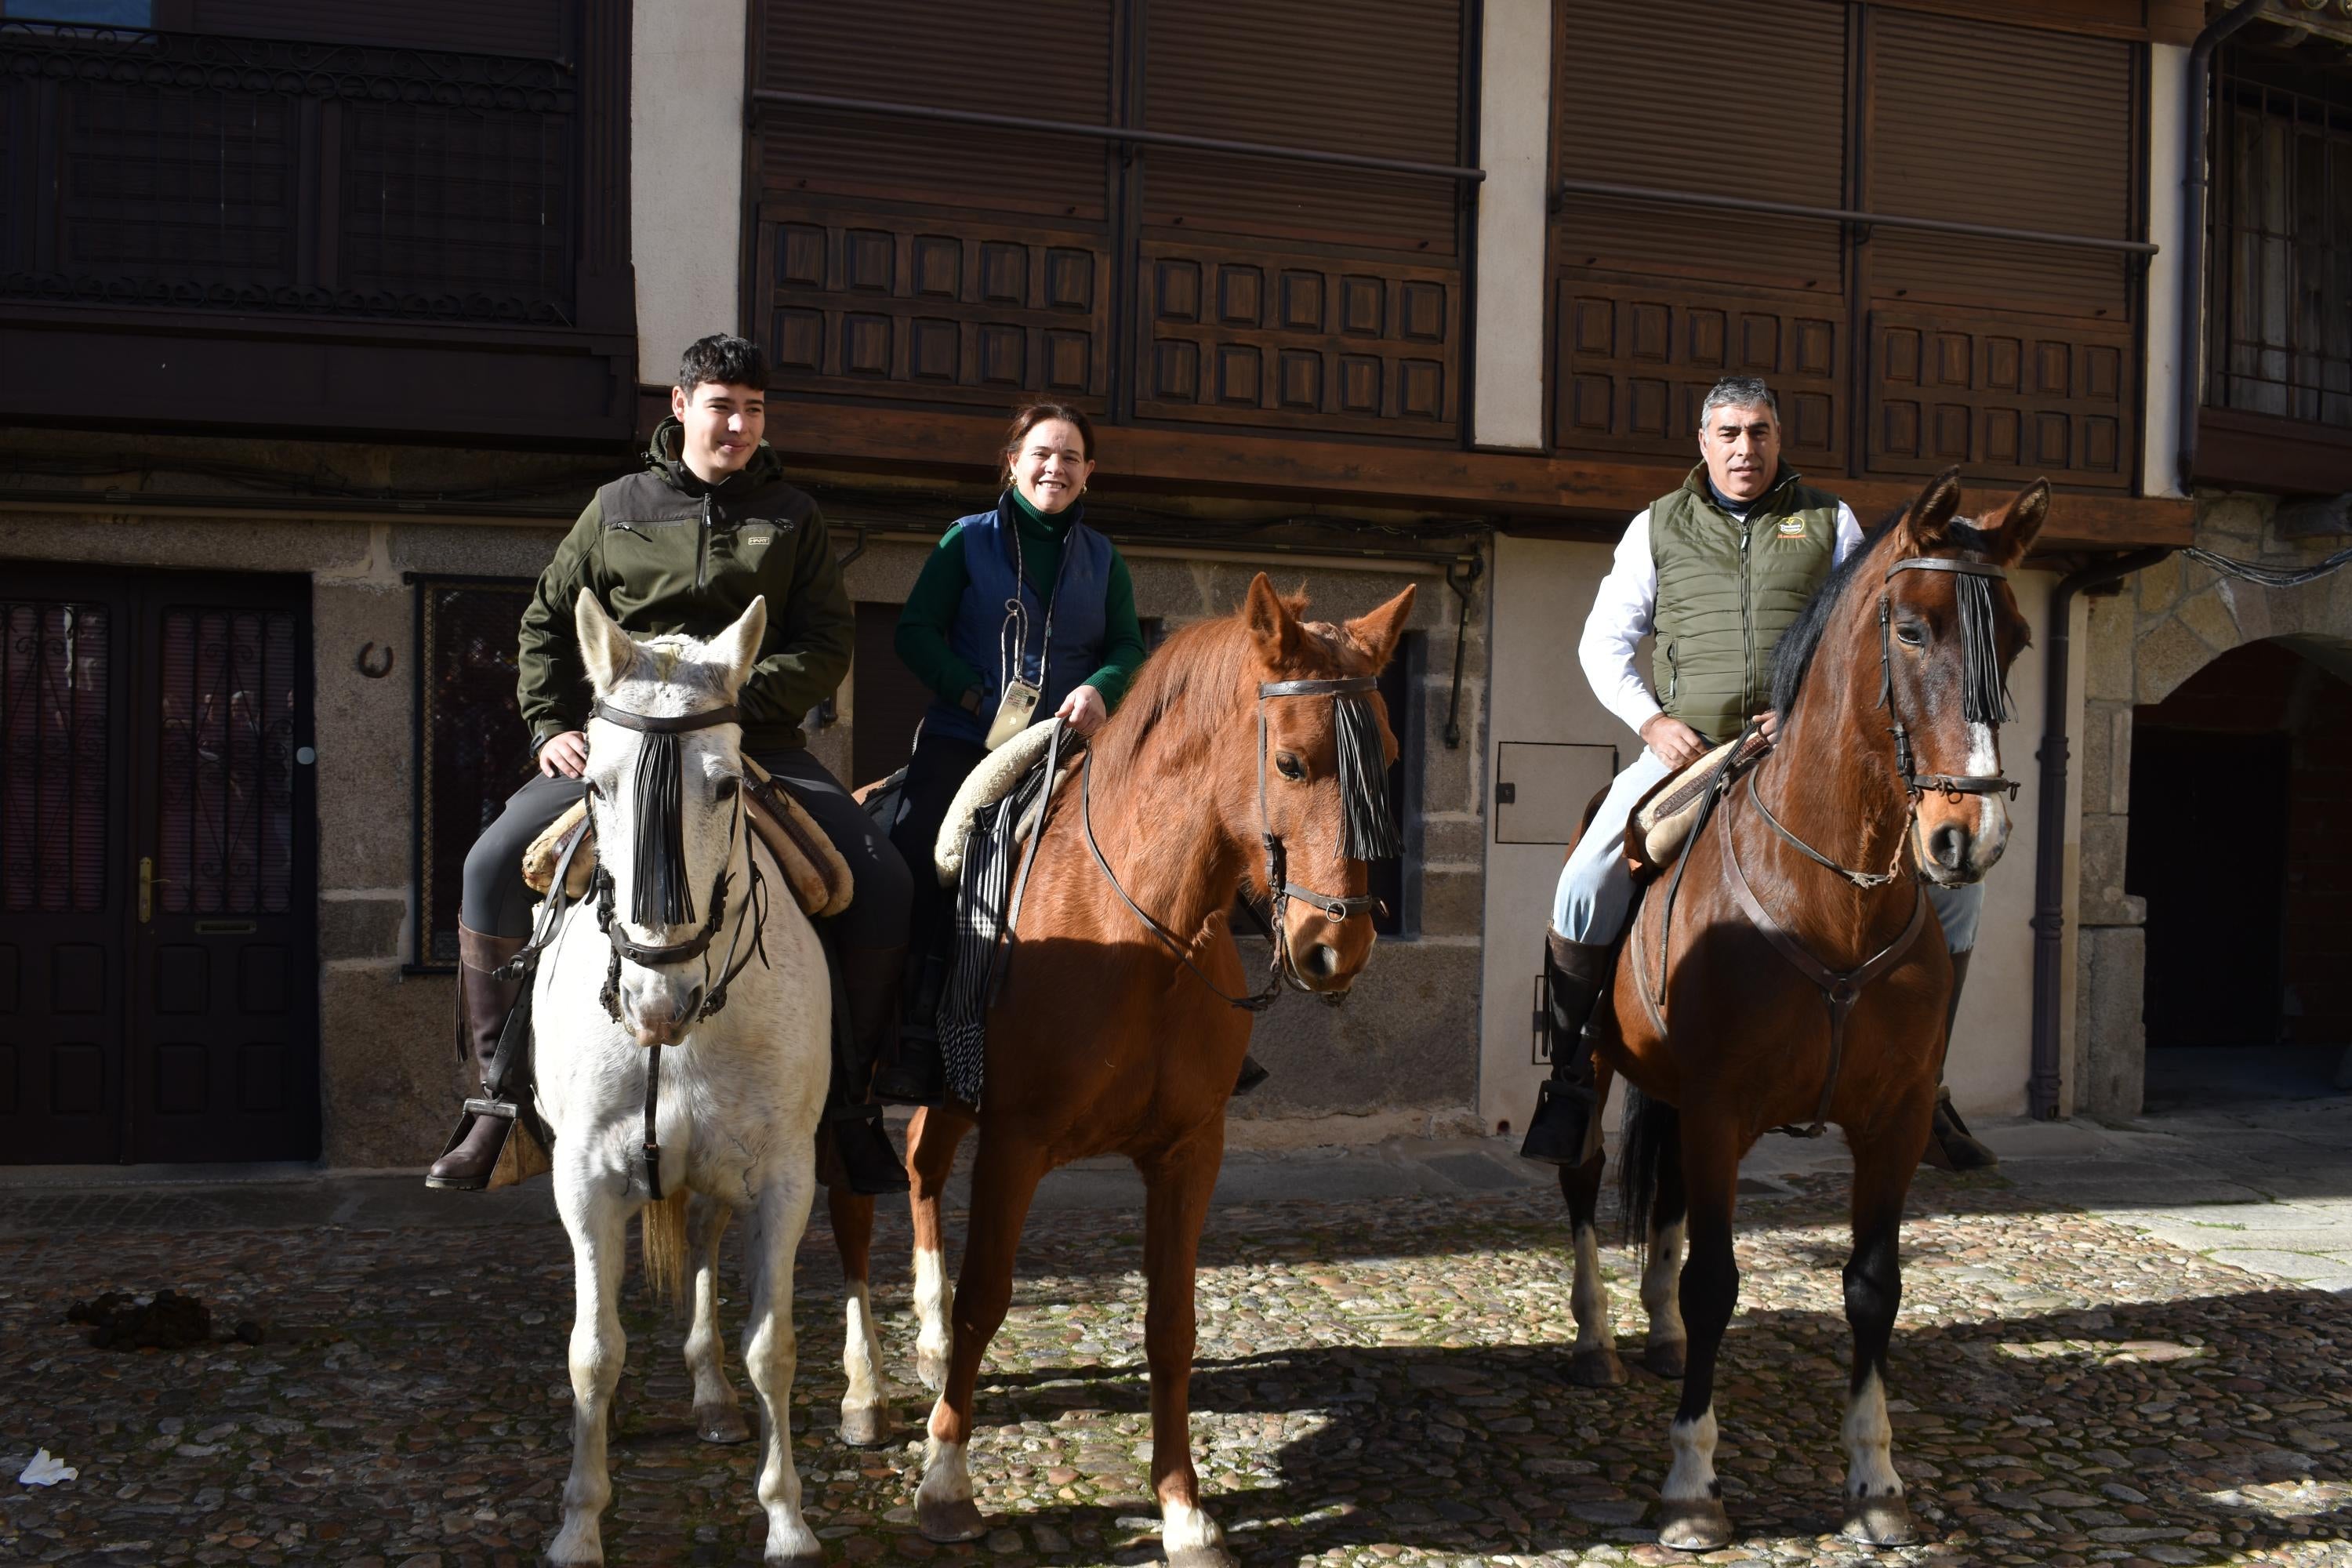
<point x="2009" y="398"/>
<point x="1632" y="363"/>
<point x="1294" y="342"/>
<point x="901" y="305"/>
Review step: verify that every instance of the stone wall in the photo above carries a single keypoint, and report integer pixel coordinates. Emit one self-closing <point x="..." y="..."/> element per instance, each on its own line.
<point x="2166" y="624"/>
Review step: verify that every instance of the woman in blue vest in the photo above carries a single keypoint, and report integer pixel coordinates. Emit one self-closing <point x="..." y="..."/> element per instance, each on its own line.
<point x="1025" y="600"/>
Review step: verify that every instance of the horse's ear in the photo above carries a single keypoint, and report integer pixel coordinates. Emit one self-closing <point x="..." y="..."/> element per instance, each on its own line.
<point x="2012" y="528"/>
<point x="603" y="646"/>
<point x="737" y="650"/>
<point x="1932" y="513"/>
<point x="1377" y="632"/>
<point x="1271" y="623"/>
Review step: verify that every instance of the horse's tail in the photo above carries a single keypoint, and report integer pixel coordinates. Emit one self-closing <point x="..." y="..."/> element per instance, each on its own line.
<point x="1652" y="1141"/>
<point x="661" y="1237"/>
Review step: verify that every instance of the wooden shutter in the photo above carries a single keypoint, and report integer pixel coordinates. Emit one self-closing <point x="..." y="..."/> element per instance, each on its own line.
<point x="923" y="260"/>
<point x="1381" y="78"/>
<point x="532" y="27"/>
<point x="1291" y="295"/>
<point x="1702" y="98"/>
<point x="1653" y="303"/>
<point x="2009" y="358"/>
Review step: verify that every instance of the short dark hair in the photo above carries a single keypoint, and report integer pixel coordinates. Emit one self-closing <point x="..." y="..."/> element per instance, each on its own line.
<point x="1027" y="418"/>
<point x="724" y="358"/>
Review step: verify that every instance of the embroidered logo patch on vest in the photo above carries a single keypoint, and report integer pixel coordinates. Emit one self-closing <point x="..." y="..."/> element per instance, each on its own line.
<point x="1792" y="528"/>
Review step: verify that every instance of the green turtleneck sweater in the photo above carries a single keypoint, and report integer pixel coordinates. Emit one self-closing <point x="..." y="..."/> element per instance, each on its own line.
<point x="923" y="625"/>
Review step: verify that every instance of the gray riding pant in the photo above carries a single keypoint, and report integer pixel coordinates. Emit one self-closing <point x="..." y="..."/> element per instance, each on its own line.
<point x="1595" y="890"/>
<point x="498" y="902"/>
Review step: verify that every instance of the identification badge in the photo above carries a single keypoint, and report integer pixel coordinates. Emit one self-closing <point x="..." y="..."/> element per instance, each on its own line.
<point x="1792" y="528"/>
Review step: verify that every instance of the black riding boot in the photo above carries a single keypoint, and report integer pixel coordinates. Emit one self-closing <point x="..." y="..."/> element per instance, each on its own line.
<point x="1250" y="1077"/>
<point x="1574" y="975"/>
<point x="870" y="1162"/>
<point x="915" y="1070"/>
<point x="1950" y="1145"/>
<point x="483" y="1003"/>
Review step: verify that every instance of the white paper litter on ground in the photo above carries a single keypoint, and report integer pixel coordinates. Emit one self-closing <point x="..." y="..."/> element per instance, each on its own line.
<point x="44" y="1471"/>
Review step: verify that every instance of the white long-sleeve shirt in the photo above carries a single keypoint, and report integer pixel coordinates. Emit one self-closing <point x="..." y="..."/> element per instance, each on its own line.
<point x="1623" y="609"/>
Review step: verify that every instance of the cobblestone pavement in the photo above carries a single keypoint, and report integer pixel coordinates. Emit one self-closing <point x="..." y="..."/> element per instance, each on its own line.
<point x="1378" y="1382"/>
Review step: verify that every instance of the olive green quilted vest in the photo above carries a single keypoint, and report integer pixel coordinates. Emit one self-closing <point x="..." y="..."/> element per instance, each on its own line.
<point x="1727" y="591"/>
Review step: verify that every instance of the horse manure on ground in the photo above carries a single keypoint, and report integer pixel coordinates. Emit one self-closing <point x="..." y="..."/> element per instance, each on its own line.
<point x="168" y="1322"/>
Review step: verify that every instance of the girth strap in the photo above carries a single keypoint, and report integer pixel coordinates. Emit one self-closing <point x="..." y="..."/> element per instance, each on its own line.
<point x="653" y="1102"/>
<point x="1839" y="990"/>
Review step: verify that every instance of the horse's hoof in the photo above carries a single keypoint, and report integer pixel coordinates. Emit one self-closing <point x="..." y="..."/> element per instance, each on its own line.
<point x="932" y="1367"/>
<point x="864" y="1426"/>
<point x="1879" y="1521"/>
<point x="1200" y="1557"/>
<point x="1596" y="1369"/>
<point x="1695" y="1526"/>
<point x="794" y="1560"/>
<point x="721" y="1424"/>
<point x="1667" y="1358"/>
<point x="948" y="1522"/>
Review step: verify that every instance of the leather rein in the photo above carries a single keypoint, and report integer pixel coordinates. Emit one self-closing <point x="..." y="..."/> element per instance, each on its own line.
<point x="1280" y="889"/>
<point x="1841" y="989"/>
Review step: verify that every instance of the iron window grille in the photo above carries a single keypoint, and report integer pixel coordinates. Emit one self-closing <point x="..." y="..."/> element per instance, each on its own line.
<point x="2280" y="313"/>
<point x="472" y="749"/>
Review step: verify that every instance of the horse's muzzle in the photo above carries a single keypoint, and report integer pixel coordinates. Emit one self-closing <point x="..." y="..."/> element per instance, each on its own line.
<point x="662" y="1019"/>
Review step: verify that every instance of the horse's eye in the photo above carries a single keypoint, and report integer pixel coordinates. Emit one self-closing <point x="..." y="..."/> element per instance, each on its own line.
<point x="1913" y="633"/>
<point x="727" y="785"/>
<point x="1289" y="767"/>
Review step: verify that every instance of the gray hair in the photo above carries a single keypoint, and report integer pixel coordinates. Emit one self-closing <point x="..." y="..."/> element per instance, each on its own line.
<point x="1738" y="392"/>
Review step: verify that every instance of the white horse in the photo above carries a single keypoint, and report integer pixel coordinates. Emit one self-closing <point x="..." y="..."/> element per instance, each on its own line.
<point x="740" y="1086"/>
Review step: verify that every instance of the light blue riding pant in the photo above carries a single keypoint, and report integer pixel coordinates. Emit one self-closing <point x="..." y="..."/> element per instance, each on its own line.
<point x="1596" y="890"/>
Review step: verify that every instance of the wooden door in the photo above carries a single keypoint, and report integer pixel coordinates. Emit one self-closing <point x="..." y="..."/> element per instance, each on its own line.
<point x="158" y="948"/>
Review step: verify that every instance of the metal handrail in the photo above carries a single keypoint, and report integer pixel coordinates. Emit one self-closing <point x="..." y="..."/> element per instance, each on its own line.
<point x="1124" y="133"/>
<point x="1847" y="215"/>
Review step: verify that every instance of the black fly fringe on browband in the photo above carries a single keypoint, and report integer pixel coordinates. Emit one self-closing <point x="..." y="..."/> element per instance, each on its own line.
<point x="657" y="892"/>
<point x="1369" y="826"/>
<point x="1984" y="692"/>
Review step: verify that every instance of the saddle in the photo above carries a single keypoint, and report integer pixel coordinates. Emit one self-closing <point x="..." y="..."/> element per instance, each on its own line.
<point x="1663" y="819"/>
<point x="813" y="869"/>
<point x="998" y="775"/>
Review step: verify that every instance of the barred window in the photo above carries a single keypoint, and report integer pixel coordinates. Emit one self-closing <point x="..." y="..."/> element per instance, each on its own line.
<point x="472" y="748"/>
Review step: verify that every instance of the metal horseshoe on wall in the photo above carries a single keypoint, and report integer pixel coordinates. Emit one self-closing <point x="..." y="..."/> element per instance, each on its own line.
<point x="370" y="668"/>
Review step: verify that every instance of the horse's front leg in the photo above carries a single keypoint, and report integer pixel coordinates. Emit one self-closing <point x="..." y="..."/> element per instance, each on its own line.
<point x="865" y="1402"/>
<point x="597" y="1219"/>
<point x="779" y="1216"/>
<point x="931" y="1140"/>
<point x="1592" y="1361"/>
<point x="1692" y="1513"/>
<point x="718" y="1410"/>
<point x="1176" y="1204"/>
<point x="1875" y="1510"/>
<point x="1665" y="1351"/>
<point x="1004" y="1179"/>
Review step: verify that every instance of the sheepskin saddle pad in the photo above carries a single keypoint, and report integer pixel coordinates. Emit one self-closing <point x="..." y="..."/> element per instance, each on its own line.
<point x="986" y="784"/>
<point x="815" y="870"/>
<point x="1663" y="819"/>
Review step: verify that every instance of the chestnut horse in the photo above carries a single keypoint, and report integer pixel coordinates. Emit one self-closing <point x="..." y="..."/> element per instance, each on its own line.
<point x="1800" y="900"/>
<point x="1218" y="773"/>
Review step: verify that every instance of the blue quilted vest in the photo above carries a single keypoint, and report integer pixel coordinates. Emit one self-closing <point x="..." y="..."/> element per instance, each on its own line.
<point x="978" y="634"/>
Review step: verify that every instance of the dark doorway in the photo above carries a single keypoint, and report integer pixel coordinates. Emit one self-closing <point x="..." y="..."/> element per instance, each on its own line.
<point x="2241" y="846"/>
<point x="158" y="876"/>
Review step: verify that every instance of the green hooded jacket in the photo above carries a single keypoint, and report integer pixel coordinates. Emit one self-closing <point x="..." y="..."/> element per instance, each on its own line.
<point x="1727" y="590"/>
<point x="662" y="552"/>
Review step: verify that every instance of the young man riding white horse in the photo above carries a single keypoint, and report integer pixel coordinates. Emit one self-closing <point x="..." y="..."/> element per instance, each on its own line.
<point x="1714" y="571"/>
<point x="684" y="547"/>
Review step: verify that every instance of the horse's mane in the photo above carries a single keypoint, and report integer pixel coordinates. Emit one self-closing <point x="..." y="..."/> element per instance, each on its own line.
<point x="1794" y="654"/>
<point x="1180" y="695"/>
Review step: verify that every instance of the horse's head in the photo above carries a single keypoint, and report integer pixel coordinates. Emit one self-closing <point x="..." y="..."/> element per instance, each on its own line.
<point x="1323" y="758"/>
<point x="666" y="796"/>
<point x="1948" y="631"/>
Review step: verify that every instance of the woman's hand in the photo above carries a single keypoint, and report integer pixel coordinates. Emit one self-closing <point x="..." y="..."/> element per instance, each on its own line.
<point x="1084" y="707"/>
<point x="564" y="755"/>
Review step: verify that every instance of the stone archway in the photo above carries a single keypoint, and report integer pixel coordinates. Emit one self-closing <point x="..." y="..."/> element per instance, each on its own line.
<point x="2168" y="623"/>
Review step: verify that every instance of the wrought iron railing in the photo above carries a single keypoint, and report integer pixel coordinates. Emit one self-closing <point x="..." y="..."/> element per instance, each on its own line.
<point x="193" y="172"/>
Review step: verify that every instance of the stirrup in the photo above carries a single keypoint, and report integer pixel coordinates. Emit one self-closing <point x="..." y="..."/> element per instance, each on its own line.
<point x="518" y="1157"/>
<point x="1565" y="1128"/>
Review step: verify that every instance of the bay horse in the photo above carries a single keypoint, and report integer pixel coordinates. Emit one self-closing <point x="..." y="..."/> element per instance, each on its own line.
<point x="1233" y="765"/>
<point x="1804" y="889"/>
<point x="738" y="993"/>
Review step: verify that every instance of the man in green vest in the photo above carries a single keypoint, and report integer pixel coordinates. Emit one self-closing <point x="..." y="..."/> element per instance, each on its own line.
<point x="1714" y="571"/>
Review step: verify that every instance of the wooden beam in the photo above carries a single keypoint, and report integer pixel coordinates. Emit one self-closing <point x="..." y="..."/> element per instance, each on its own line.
<point x="1505" y="487"/>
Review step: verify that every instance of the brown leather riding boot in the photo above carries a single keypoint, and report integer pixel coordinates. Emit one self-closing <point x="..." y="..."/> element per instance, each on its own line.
<point x="483" y="1003"/>
<point x="1564" y="1130"/>
<point x="1950" y="1145"/>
